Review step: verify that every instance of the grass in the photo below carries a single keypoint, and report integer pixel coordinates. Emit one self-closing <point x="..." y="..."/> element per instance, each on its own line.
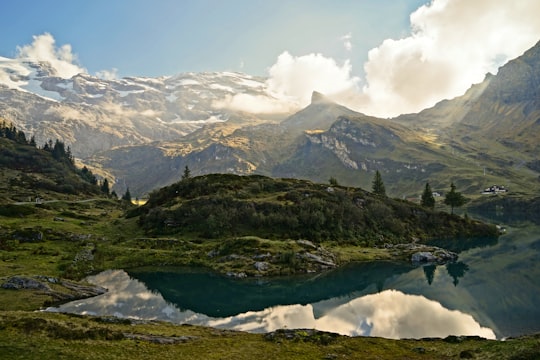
<point x="47" y="335"/>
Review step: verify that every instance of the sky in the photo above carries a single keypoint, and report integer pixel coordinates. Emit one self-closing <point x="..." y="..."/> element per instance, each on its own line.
<point x="383" y="57"/>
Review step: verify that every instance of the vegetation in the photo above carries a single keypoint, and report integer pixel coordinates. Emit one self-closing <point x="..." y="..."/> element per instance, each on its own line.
<point x="28" y="172"/>
<point x="454" y="198"/>
<point x="217" y="206"/>
<point x="427" y="197"/>
<point x="50" y="336"/>
<point x="378" y="186"/>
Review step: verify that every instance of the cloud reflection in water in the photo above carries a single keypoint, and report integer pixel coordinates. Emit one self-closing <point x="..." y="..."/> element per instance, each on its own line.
<point x="389" y="314"/>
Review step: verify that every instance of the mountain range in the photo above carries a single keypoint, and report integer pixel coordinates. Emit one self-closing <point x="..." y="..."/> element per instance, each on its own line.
<point x="142" y="132"/>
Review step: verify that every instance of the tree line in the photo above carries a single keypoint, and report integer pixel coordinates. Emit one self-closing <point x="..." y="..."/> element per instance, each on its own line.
<point x="59" y="152"/>
<point x="453" y="198"/>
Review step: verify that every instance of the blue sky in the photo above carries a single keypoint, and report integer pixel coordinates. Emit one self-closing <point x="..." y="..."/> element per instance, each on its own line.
<point x="165" y="37"/>
<point x="381" y="57"/>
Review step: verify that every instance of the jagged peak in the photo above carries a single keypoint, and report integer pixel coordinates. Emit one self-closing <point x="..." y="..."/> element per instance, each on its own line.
<point x="319" y="98"/>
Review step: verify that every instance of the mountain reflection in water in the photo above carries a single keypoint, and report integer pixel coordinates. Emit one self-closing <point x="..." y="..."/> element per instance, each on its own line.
<point x="389" y="313"/>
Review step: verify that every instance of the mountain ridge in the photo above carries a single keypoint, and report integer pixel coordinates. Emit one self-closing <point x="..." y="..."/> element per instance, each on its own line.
<point x="485" y="136"/>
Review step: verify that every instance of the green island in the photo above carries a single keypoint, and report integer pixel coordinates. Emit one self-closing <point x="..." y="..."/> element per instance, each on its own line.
<point x="58" y="224"/>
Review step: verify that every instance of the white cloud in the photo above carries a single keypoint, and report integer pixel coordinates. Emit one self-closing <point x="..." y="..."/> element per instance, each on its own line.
<point x="61" y="59"/>
<point x="292" y="80"/>
<point x="108" y="74"/>
<point x="296" y="77"/>
<point x="453" y="44"/>
<point x="256" y="104"/>
<point x="347" y="41"/>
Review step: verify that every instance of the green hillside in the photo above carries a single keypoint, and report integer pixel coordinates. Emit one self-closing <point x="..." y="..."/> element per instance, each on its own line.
<point x="28" y="172"/>
<point x="219" y="205"/>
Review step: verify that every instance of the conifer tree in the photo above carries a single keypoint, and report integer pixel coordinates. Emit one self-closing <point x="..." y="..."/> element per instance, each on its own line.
<point x="187" y="173"/>
<point x="378" y="185"/>
<point x="427" y="197"/>
<point x="105" y="186"/>
<point x="127" y="196"/>
<point x="454" y="198"/>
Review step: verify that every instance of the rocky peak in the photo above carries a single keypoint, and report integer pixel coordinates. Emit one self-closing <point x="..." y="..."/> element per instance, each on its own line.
<point x="318" y="98"/>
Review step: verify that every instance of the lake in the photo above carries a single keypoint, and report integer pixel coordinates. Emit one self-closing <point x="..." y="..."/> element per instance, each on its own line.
<point x="491" y="291"/>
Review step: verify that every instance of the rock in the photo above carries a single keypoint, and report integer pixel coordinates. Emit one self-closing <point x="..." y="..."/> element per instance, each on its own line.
<point x="213" y="253"/>
<point x="157" y="339"/>
<point x="28" y="236"/>
<point x="437" y="256"/>
<point x="262" y="256"/>
<point x="67" y="291"/>
<point x="261" y="265"/>
<point x="22" y="282"/>
<point x="319" y="260"/>
<point x="306" y="244"/>
<point x="423" y="257"/>
<point x="235" y="275"/>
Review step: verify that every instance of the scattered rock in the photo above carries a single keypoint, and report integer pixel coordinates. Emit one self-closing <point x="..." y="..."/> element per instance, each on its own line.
<point x="262" y="256"/>
<point x="437" y="256"/>
<point x="240" y="275"/>
<point x="67" y="291"/>
<point x="156" y="339"/>
<point x="261" y="266"/>
<point x="22" y="282"/>
<point x="28" y="236"/>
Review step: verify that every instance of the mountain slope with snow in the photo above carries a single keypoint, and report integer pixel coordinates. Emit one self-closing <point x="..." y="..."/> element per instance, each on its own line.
<point x="98" y="114"/>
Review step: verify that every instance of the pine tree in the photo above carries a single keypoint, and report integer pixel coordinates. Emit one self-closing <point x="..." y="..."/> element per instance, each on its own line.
<point x="127" y="196"/>
<point x="187" y="173"/>
<point x="427" y="197"/>
<point x="333" y="181"/>
<point x="378" y="185"/>
<point x="454" y="198"/>
<point x="105" y="186"/>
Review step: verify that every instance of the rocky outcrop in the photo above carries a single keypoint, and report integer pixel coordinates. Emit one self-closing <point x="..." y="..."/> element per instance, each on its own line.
<point x="62" y="291"/>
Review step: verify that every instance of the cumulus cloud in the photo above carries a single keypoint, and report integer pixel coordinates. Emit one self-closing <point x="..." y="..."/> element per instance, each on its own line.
<point x="347" y="41"/>
<point x="453" y="44"/>
<point x="296" y="77"/>
<point x="61" y="59"/>
<point x="108" y="74"/>
<point x="292" y="80"/>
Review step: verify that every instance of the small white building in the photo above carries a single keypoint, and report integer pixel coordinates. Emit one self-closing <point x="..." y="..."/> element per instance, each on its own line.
<point x="494" y="189"/>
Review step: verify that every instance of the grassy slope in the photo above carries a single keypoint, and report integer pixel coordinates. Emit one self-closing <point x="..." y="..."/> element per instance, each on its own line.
<point x="45" y="335"/>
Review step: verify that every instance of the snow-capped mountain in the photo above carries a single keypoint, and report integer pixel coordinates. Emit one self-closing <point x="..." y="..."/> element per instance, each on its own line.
<point x="96" y="114"/>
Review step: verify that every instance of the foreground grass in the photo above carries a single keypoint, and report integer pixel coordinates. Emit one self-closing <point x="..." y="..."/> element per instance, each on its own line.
<point x="25" y="335"/>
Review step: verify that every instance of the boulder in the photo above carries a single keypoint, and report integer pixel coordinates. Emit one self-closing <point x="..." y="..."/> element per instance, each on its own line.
<point x="261" y="265"/>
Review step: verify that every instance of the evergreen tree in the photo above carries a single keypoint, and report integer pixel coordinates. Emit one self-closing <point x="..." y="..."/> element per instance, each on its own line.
<point x="105" y="186"/>
<point x="378" y="185"/>
<point x="187" y="173"/>
<point x="427" y="197"/>
<point x="59" y="150"/>
<point x="454" y="198"/>
<point x="333" y="181"/>
<point x="127" y="196"/>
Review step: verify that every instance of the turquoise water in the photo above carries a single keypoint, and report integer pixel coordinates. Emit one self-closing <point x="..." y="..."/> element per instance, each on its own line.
<point x="491" y="291"/>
